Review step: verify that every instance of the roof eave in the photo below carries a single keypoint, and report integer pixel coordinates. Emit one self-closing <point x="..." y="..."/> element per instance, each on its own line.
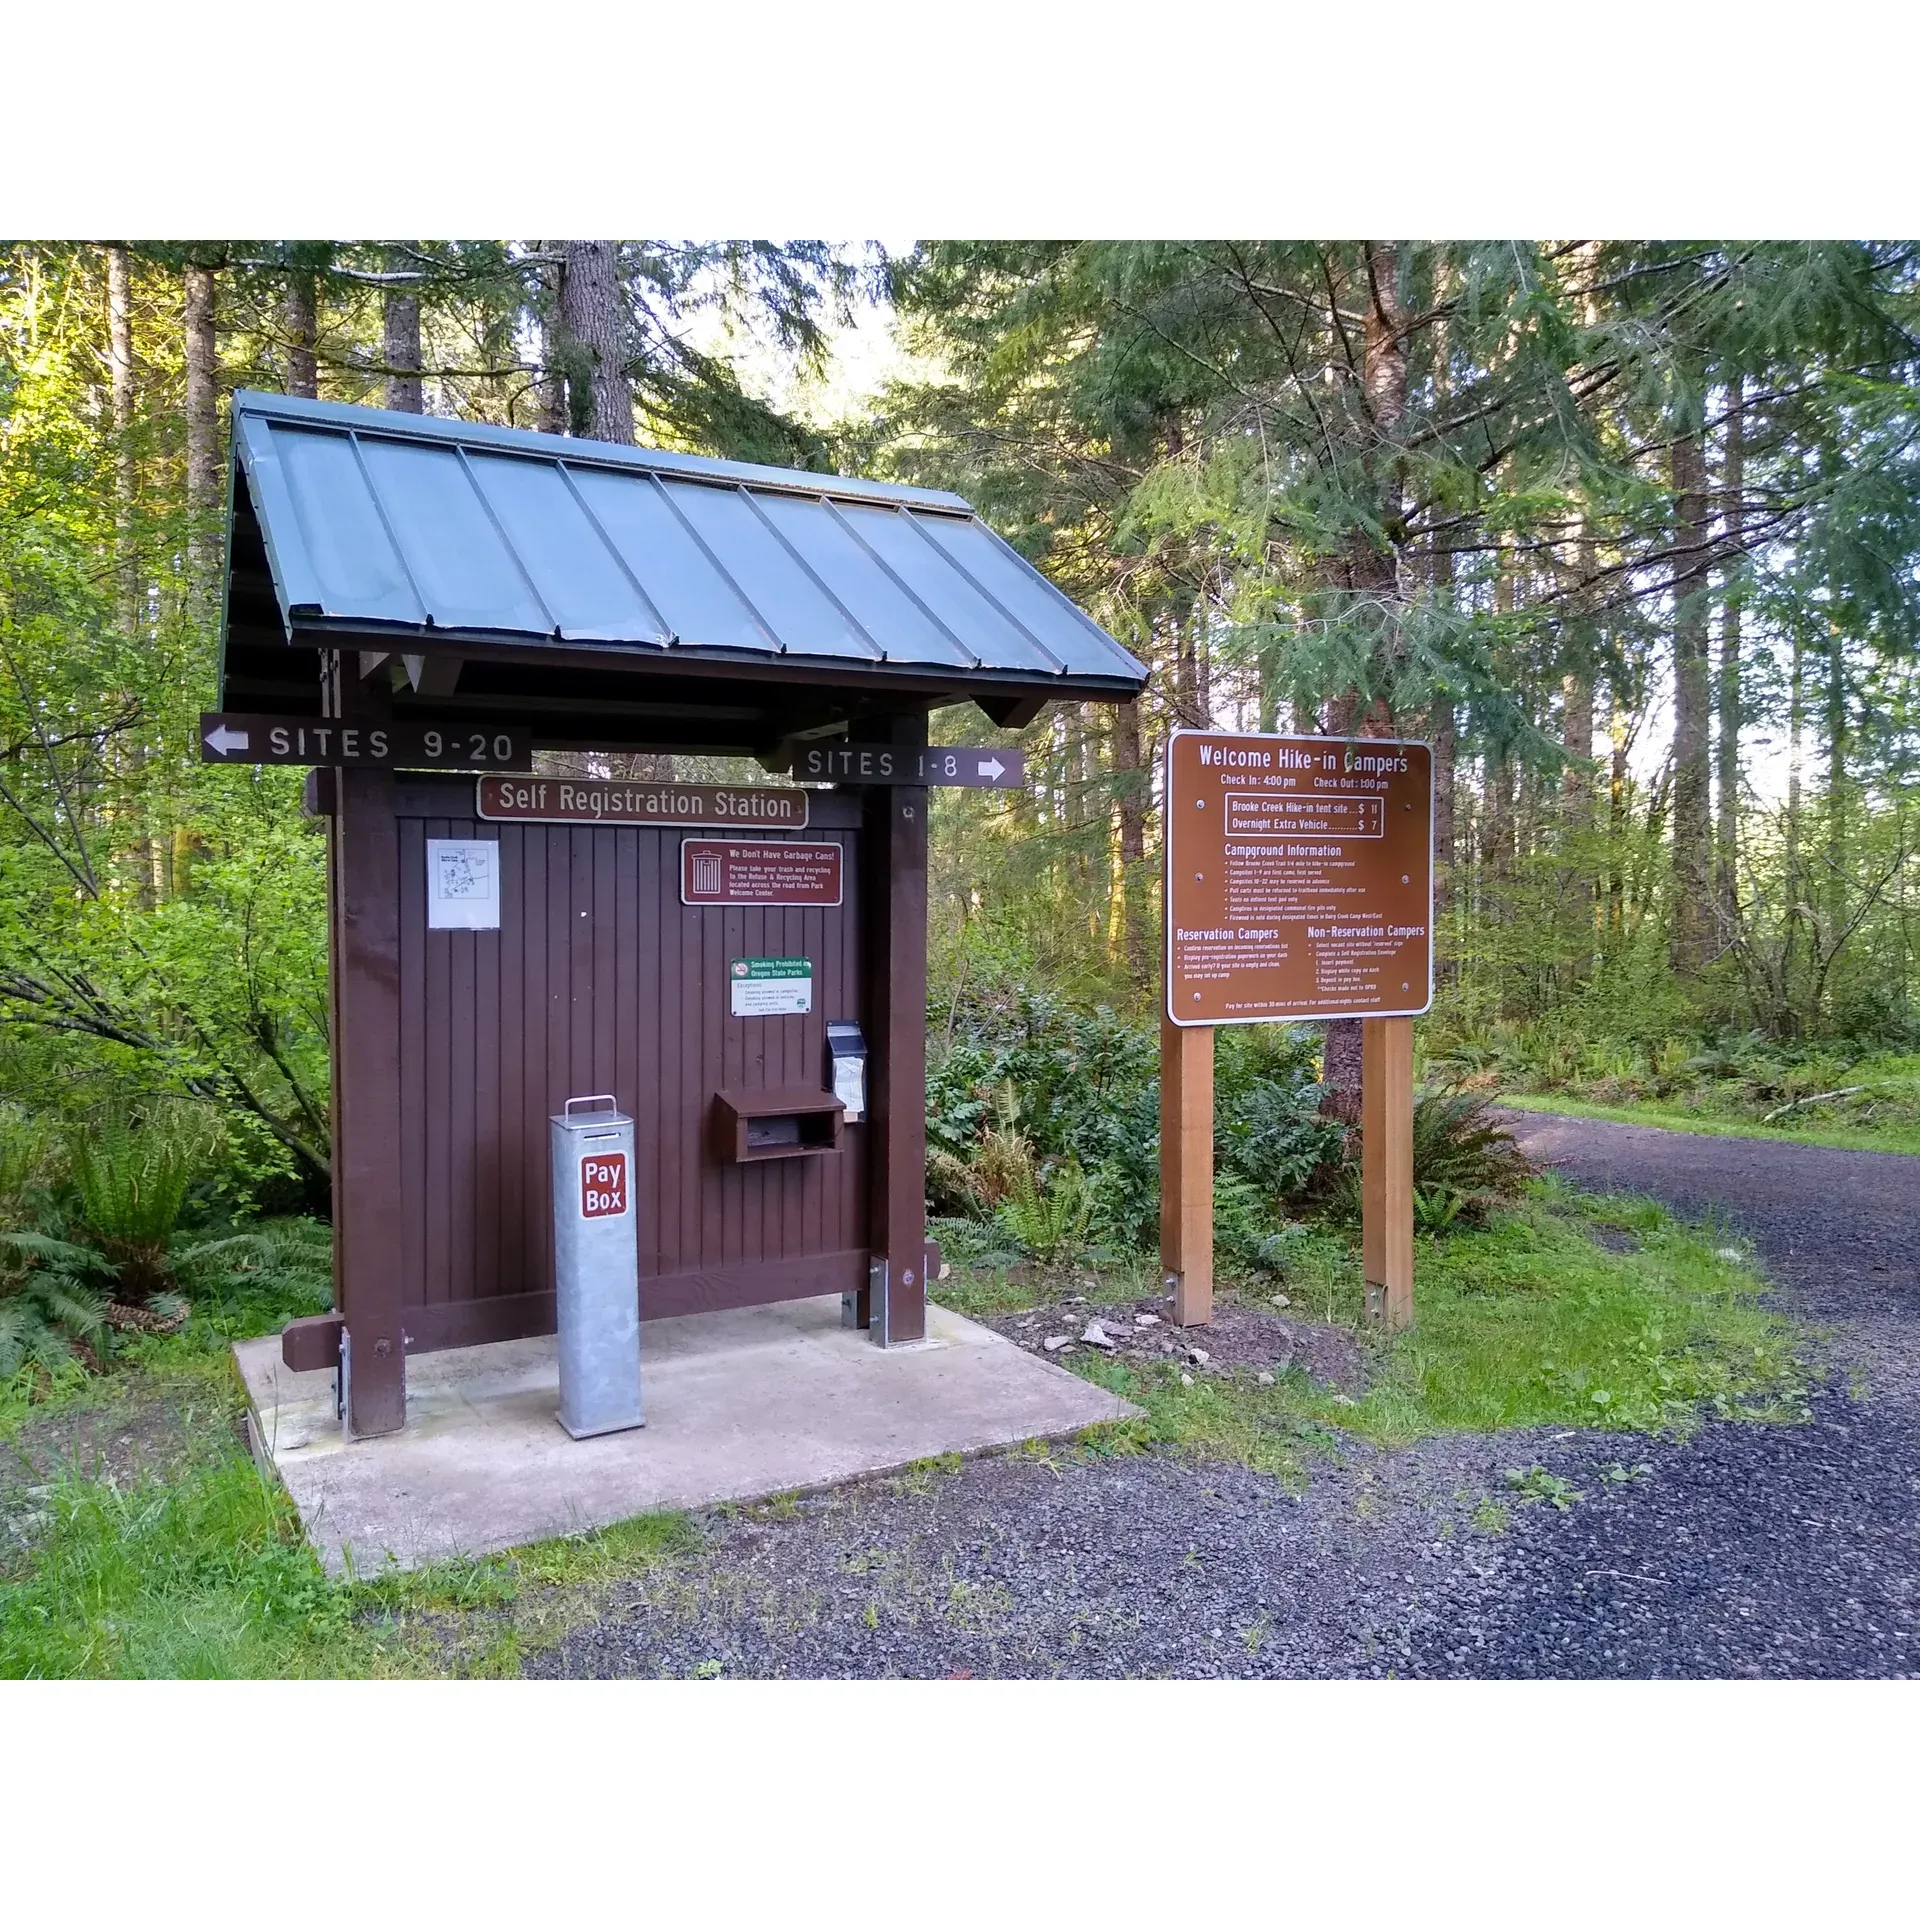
<point x="519" y="648"/>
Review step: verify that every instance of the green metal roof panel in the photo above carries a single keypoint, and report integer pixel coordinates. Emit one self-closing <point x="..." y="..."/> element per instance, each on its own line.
<point x="399" y="521"/>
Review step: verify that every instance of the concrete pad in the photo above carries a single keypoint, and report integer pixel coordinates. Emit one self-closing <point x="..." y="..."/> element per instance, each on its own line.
<point x="739" y="1405"/>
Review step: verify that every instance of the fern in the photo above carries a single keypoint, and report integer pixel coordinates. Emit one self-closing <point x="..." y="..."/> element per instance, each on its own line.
<point x="44" y="1318"/>
<point x="1050" y="1217"/>
<point x="131" y="1179"/>
<point x="1465" y="1164"/>
<point x="281" y="1267"/>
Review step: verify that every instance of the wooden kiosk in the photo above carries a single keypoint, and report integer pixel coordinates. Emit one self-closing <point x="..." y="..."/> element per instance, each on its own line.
<point x="406" y="594"/>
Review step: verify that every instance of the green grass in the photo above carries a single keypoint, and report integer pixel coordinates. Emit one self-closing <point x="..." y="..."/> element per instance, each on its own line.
<point x="201" y="1573"/>
<point x="1528" y="1322"/>
<point x="1641" y="1113"/>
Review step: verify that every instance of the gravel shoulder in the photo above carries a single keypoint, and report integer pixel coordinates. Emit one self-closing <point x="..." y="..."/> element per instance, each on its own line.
<point x="1746" y="1550"/>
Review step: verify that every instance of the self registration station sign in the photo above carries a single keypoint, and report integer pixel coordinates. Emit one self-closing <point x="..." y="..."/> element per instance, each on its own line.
<point x="1299" y="878"/>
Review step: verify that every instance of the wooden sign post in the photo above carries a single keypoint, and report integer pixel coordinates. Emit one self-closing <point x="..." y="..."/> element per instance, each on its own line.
<point x="1298" y="886"/>
<point x="1386" y="1169"/>
<point x="1186" y="1170"/>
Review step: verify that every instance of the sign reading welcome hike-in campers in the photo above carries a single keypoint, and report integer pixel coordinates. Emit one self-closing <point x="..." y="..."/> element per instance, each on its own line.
<point x="271" y="739"/>
<point x="1299" y="878"/>
<point x="628" y="803"/>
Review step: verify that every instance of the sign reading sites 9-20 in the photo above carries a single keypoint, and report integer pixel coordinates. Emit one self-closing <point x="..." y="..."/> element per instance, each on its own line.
<point x="1299" y="877"/>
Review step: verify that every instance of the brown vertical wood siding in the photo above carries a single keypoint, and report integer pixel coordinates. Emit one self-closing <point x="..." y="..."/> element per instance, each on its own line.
<point x="600" y="981"/>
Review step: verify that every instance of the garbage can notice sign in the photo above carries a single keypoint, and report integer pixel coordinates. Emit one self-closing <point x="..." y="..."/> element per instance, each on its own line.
<point x="603" y="1185"/>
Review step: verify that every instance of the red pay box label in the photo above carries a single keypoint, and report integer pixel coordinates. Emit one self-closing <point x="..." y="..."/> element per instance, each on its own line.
<point x="603" y="1185"/>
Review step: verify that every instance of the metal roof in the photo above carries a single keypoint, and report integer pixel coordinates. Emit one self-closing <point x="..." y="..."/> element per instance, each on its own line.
<point x="381" y="528"/>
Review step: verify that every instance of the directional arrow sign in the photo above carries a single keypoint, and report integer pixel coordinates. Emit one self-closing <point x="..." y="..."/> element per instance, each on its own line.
<point x="271" y="739"/>
<point x="851" y="764"/>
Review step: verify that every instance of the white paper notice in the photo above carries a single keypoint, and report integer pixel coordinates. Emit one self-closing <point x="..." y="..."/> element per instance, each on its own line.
<point x="850" y="1085"/>
<point x="463" y="883"/>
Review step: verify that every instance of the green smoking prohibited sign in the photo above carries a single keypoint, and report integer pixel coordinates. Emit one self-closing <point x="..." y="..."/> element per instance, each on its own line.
<point x="771" y="986"/>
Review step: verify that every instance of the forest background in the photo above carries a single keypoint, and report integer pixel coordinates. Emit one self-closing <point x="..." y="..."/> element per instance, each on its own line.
<point x="1627" y="530"/>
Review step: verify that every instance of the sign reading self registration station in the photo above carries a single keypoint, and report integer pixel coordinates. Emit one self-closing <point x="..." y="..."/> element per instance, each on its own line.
<point x="1299" y="877"/>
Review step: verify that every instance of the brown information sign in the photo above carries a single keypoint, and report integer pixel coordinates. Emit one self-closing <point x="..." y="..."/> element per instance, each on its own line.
<point x="628" y="803"/>
<point x="759" y="873"/>
<point x="268" y="739"/>
<point x="1299" y="878"/>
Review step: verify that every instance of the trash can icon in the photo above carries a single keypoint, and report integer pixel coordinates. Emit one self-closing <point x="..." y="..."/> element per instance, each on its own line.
<point x="596" y="1267"/>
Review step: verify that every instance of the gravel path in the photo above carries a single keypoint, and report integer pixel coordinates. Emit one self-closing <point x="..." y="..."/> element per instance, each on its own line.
<point x="1749" y="1550"/>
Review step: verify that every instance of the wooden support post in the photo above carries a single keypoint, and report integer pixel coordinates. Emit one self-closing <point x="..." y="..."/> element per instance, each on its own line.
<point x="364" y="877"/>
<point x="1186" y="1170"/>
<point x="1386" y="1169"/>
<point x="893" y="881"/>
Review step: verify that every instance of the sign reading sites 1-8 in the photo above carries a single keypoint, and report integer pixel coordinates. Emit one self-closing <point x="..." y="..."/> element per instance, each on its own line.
<point x="1299" y="878"/>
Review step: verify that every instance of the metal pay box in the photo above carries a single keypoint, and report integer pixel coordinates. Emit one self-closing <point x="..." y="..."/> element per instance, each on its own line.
<point x="596" y="1268"/>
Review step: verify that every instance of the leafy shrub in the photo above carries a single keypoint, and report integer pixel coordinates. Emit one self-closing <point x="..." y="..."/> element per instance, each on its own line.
<point x="25" y="1165"/>
<point x="1126" y="1176"/>
<point x="1029" y="1086"/>
<point x="1275" y="1138"/>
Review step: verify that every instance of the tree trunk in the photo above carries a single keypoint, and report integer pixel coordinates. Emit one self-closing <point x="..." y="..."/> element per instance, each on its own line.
<point x="203" y="437"/>
<point x="1441" y="724"/>
<point x="1838" y="728"/>
<point x="131" y="751"/>
<point x="1075" y="779"/>
<point x="1269" y="670"/>
<point x="1375" y="572"/>
<point x="1186" y="679"/>
<point x="593" y="317"/>
<point x="1616" y="908"/>
<point x="1692" y="944"/>
<point x="303" y="327"/>
<point x="553" y="384"/>
<point x="1796" y="739"/>
<point x="1386" y="352"/>
<point x="1444" y="742"/>
<point x="1726" y="849"/>
<point x="1496" y="825"/>
<point x="1130" y="801"/>
<point x="401" y="311"/>
<point x="1576" y="737"/>
<point x="125" y="467"/>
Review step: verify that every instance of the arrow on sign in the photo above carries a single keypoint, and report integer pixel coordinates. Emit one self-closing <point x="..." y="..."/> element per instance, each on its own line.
<point x="224" y="740"/>
<point x="992" y="769"/>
